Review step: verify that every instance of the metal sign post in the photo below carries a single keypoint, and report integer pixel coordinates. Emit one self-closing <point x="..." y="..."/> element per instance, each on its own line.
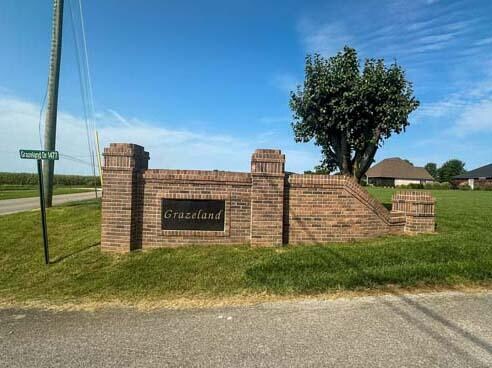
<point x="39" y="156"/>
<point x="43" y="213"/>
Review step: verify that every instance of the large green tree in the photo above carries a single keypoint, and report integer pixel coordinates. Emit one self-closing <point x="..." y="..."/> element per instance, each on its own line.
<point x="449" y="169"/>
<point x="431" y="168"/>
<point x="349" y="112"/>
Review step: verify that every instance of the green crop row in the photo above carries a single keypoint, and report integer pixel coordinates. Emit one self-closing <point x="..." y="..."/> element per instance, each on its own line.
<point x="32" y="179"/>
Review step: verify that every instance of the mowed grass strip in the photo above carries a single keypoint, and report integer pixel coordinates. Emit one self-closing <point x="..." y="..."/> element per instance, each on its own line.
<point x="8" y="191"/>
<point x="459" y="254"/>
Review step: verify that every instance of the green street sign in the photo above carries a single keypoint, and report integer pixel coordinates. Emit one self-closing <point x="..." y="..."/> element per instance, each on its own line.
<point x="38" y="155"/>
<point x="41" y="155"/>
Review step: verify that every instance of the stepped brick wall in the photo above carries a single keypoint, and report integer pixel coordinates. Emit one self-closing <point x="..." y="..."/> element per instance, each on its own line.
<point x="323" y="208"/>
<point x="266" y="207"/>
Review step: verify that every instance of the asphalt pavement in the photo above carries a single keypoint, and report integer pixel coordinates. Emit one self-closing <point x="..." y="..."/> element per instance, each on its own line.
<point x="8" y="206"/>
<point x="430" y="330"/>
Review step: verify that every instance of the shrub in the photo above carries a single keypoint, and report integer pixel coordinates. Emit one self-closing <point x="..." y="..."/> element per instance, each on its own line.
<point x="484" y="187"/>
<point x="411" y="186"/>
<point x="437" y="186"/>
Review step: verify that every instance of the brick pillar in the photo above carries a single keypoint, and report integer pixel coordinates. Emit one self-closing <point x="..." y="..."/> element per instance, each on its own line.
<point x="267" y="197"/>
<point x="122" y="199"/>
<point x="419" y="211"/>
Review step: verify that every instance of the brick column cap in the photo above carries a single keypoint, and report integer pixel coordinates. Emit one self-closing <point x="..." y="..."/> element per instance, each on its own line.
<point x="124" y="149"/>
<point x="413" y="203"/>
<point x="125" y="155"/>
<point x="268" y="161"/>
<point x="414" y="196"/>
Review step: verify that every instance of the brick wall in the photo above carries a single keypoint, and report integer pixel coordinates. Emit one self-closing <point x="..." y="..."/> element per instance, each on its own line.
<point x="418" y="209"/>
<point x="121" y="227"/>
<point x="234" y="188"/>
<point x="266" y="207"/>
<point x="323" y="208"/>
<point x="267" y="193"/>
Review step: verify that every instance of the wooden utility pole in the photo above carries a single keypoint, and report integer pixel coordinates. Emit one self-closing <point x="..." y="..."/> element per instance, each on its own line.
<point x="51" y="111"/>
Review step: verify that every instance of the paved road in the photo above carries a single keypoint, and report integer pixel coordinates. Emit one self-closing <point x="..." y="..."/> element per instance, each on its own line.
<point x="26" y="204"/>
<point x="433" y="330"/>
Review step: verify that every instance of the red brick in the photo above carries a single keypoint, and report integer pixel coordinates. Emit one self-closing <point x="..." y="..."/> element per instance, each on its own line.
<point x="266" y="207"/>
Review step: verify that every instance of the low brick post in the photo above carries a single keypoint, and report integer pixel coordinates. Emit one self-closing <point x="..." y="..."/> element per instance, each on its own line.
<point x="418" y="209"/>
<point x="267" y="197"/>
<point x="122" y="196"/>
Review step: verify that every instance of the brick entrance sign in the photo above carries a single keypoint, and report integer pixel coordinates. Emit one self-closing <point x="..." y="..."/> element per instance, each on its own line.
<point x="149" y="208"/>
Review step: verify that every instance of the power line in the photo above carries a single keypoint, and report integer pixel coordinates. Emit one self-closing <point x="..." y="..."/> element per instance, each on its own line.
<point x="95" y="136"/>
<point x="75" y="159"/>
<point x="41" y="116"/>
<point x="84" y="87"/>
<point x="82" y="80"/>
<point x="84" y="43"/>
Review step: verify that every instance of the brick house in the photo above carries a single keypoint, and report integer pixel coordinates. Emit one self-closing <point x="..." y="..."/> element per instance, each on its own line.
<point x="478" y="178"/>
<point x="394" y="171"/>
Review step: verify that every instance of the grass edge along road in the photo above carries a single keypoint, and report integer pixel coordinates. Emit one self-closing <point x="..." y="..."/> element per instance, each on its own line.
<point x="459" y="255"/>
<point x="8" y="191"/>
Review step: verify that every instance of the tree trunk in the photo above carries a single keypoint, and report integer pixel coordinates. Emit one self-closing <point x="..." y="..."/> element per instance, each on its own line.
<point x="345" y="156"/>
<point x="365" y="160"/>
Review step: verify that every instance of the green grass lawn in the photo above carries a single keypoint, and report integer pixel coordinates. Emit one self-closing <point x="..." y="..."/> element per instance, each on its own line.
<point x="8" y="191"/>
<point x="459" y="254"/>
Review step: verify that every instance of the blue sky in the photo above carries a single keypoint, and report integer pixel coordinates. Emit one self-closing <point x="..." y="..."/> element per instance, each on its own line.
<point x="202" y="84"/>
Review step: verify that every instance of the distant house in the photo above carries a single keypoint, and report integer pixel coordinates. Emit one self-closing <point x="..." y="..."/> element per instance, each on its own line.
<point x="395" y="171"/>
<point x="478" y="178"/>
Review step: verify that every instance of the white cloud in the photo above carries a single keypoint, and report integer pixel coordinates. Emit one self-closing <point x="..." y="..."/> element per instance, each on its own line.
<point x="4" y="91"/>
<point x="483" y="41"/>
<point x="416" y="26"/>
<point x="474" y="119"/>
<point x="285" y="82"/>
<point x="470" y="96"/>
<point x="265" y="137"/>
<point x="171" y="148"/>
<point x="275" y="120"/>
<point x="436" y="38"/>
<point x="324" y="38"/>
<point x="401" y="29"/>
<point x="116" y="115"/>
<point x="446" y="107"/>
<point x="168" y="147"/>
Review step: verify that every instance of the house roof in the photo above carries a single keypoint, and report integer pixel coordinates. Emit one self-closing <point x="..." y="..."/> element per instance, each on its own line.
<point x="398" y="169"/>
<point x="481" y="172"/>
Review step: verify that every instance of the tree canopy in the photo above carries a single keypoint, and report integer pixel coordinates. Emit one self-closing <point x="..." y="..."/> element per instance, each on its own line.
<point x="431" y="168"/>
<point x="349" y="112"/>
<point x="451" y="168"/>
